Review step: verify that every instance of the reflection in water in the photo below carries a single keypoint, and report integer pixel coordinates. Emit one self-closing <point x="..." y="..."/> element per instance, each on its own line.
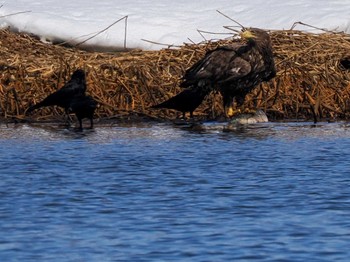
<point x="154" y="191"/>
<point x="297" y="130"/>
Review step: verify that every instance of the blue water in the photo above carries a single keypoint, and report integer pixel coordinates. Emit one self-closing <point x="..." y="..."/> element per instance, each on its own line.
<point x="158" y="192"/>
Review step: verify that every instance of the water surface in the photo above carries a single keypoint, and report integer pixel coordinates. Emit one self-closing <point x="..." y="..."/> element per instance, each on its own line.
<point x="159" y="192"/>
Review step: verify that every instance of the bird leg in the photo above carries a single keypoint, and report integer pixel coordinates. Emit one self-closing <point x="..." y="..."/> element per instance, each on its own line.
<point x="68" y="120"/>
<point x="229" y="108"/>
<point x="91" y="123"/>
<point x="80" y="124"/>
<point x="240" y="109"/>
<point x="249" y="111"/>
<point x="230" y="112"/>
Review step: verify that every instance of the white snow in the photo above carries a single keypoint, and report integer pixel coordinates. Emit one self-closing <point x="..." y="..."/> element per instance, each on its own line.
<point x="164" y="21"/>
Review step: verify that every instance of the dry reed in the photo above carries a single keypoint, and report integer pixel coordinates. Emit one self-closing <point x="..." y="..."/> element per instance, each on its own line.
<point x="310" y="81"/>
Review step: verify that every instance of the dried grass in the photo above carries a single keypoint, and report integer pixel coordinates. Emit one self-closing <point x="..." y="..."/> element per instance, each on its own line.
<point x="309" y="82"/>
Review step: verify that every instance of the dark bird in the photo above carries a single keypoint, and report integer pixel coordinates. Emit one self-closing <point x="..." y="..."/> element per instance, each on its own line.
<point x="234" y="70"/>
<point x="186" y="101"/>
<point x="345" y="63"/>
<point x="74" y="87"/>
<point x="83" y="107"/>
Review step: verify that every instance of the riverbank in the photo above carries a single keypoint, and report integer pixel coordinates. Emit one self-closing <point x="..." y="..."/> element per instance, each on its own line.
<point x="312" y="79"/>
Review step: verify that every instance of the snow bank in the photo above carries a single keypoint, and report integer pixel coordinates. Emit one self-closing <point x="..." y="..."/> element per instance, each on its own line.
<point x="163" y="21"/>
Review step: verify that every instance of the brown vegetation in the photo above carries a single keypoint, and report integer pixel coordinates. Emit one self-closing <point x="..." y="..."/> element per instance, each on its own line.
<point x="310" y="81"/>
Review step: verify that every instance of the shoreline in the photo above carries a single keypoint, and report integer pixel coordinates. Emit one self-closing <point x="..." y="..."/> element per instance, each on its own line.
<point x="311" y="81"/>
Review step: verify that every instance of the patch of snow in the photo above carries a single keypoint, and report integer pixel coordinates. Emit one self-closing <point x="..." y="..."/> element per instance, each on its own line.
<point x="163" y="21"/>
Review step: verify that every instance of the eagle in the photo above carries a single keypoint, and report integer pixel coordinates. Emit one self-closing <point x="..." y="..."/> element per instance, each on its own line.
<point x="76" y="86"/>
<point x="234" y="70"/>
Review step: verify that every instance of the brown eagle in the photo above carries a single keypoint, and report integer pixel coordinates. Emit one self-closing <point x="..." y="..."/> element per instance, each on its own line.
<point x="234" y="70"/>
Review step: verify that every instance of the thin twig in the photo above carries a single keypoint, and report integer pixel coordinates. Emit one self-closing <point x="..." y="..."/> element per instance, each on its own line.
<point x="212" y="33"/>
<point x="157" y="43"/>
<point x="125" y="30"/>
<point x="314" y="27"/>
<point x="200" y="32"/>
<point x="17" y="13"/>
<point x="228" y="27"/>
<point x="100" y="32"/>
<point x="221" y="13"/>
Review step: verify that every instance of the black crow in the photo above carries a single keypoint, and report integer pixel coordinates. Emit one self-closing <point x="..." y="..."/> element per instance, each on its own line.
<point x="83" y="107"/>
<point x="186" y="101"/>
<point x="62" y="97"/>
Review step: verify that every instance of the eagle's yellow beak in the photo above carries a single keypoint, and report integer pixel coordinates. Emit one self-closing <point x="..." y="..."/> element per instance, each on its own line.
<point x="247" y="34"/>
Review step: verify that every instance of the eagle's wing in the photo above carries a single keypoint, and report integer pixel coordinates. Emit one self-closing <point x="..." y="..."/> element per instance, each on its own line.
<point x="219" y="65"/>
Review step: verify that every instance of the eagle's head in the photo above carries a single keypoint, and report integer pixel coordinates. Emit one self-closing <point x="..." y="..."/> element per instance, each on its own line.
<point x="247" y="34"/>
<point x="252" y="33"/>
